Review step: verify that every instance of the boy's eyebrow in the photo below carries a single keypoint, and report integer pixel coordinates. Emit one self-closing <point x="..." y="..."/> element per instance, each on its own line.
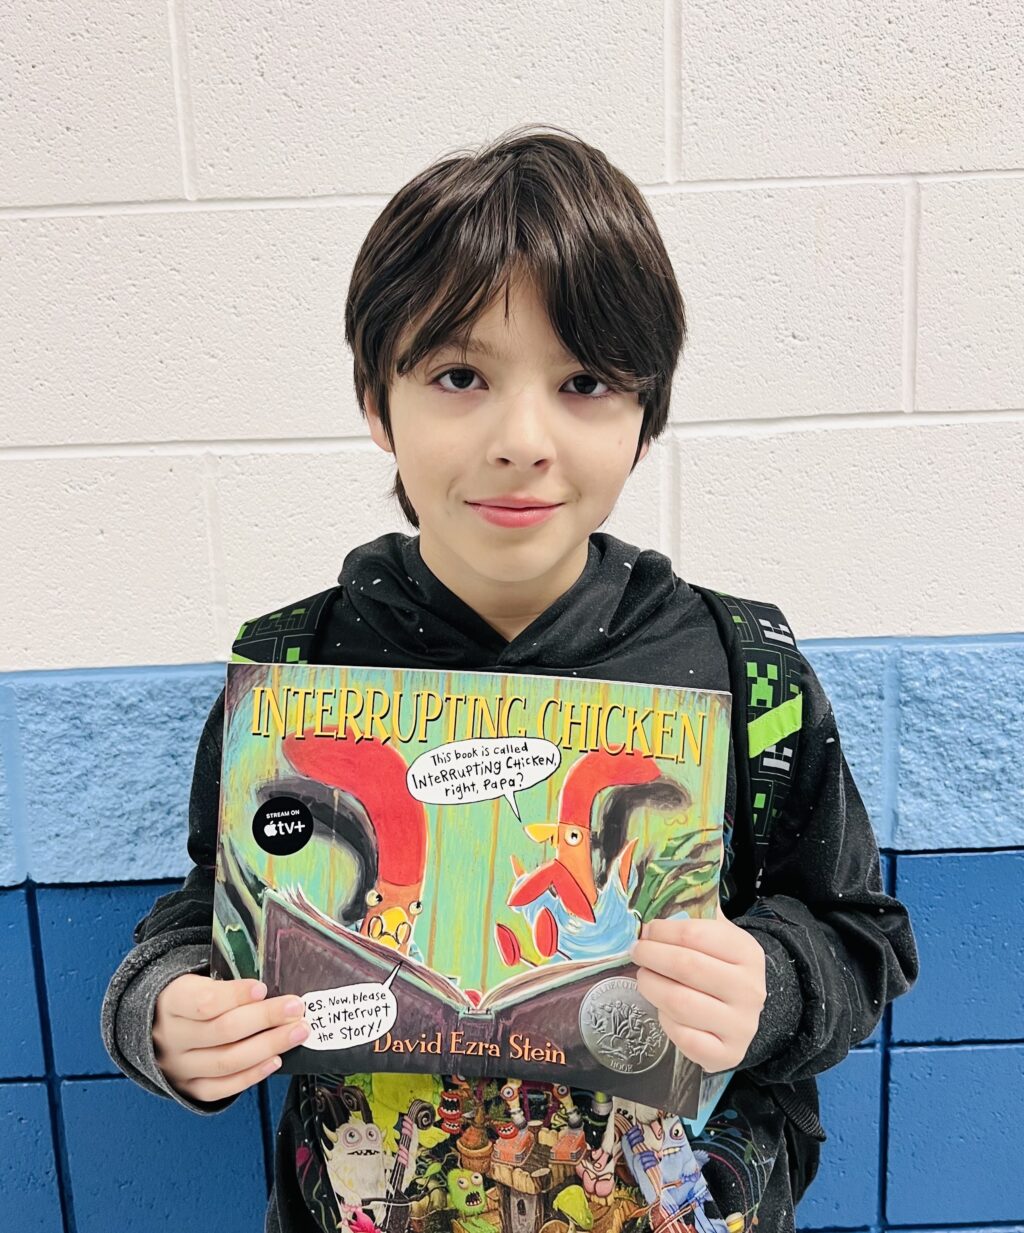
<point x="477" y="346"/>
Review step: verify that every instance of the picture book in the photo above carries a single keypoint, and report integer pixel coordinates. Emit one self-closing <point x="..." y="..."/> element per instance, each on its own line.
<point x="450" y="867"/>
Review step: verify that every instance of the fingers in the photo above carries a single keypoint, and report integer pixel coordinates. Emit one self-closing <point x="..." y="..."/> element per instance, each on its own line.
<point x="223" y="1061"/>
<point x="243" y="1021"/>
<point x="685" y="1005"/>
<point x="200" y="997"/>
<point x="718" y="936"/>
<point x="214" y="1039"/>
<point x="208" y="1090"/>
<point x="679" y="963"/>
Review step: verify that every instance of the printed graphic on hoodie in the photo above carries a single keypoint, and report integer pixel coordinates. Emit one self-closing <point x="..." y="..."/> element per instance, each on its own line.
<point x="446" y="1154"/>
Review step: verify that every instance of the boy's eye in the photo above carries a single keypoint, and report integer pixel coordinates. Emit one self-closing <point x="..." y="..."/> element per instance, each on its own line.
<point x="464" y="373"/>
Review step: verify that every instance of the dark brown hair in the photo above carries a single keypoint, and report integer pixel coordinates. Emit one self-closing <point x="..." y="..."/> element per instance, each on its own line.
<point x="543" y="204"/>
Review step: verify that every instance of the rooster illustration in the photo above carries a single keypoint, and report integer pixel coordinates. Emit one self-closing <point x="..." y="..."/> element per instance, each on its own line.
<point x="573" y="913"/>
<point x="390" y="856"/>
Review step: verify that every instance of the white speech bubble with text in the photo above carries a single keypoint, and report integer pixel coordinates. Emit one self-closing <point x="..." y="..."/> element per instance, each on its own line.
<point x="482" y="769"/>
<point x="351" y="1014"/>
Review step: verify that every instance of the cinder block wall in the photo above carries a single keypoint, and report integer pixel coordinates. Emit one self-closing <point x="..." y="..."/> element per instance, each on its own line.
<point x="183" y="188"/>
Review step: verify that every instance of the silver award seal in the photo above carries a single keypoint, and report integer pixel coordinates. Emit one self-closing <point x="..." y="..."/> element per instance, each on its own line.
<point x="620" y="1027"/>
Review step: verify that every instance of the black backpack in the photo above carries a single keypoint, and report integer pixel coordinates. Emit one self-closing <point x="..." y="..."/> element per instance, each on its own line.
<point x="767" y="672"/>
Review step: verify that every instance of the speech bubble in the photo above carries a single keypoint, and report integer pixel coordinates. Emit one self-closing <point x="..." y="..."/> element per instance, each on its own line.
<point x="351" y="1014"/>
<point x="482" y="769"/>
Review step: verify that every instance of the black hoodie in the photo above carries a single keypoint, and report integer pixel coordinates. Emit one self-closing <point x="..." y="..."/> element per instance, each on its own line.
<point x="837" y="948"/>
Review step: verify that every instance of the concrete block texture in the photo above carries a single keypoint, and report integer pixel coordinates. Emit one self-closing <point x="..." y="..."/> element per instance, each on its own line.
<point x="29" y="1197"/>
<point x="12" y="852"/>
<point x="288" y="520"/>
<point x="794" y="299"/>
<point x="21" y="1042"/>
<point x="970" y="276"/>
<point x="311" y="99"/>
<point x="826" y="89"/>
<point x="845" y="1191"/>
<point x="860" y="531"/>
<point x="88" y="106"/>
<point x="961" y="730"/>
<point x="855" y="683"/>
<point x="968" y="915"/>
<point x="178" y="326"/>
<point x="85" y="933"/>
<point x="156" y="1165"/>
<point x="111" y="805"/>
<point x="954" y="1154"/>
<point x="131" y="582"/>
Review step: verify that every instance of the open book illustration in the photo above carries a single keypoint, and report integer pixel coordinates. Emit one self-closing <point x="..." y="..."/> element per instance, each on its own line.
<point x="450" y="867"/>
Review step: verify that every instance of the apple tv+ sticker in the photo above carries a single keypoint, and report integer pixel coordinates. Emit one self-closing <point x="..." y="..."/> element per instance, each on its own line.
<point x="282" y="826"/>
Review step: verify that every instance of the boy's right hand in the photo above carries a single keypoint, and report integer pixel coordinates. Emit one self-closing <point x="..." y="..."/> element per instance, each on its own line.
<point x="215" y="1038"/>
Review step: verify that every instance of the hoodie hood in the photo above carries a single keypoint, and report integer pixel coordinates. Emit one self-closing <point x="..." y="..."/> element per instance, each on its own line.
<point x="395" y="606"/>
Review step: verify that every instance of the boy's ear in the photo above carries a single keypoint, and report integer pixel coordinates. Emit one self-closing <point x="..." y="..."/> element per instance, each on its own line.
<point x="643" y="451"/>
<point x="377" y="432"/>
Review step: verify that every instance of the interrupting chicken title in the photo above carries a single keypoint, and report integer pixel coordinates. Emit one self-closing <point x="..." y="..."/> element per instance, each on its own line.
<point x="424" y="715"/>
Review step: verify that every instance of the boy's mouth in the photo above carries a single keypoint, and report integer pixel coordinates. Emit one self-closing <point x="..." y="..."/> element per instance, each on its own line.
<point x="512" y="515"/>
<point x="515" y="502"/>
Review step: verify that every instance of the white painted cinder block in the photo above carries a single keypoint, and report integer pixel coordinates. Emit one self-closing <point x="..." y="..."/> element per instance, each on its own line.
<point x="287" y="521"/>
<point x="970" y="351"/>
<point x="861" y="531"/>
<point x="178" y="327"/>
<point x="319" y="98"/>
<point x="793" y="297"/>
<point x="806" y="88"/>
<point x="172" y="365"/>
<point x="106" y="562"/>
<point x="87" y="107"/>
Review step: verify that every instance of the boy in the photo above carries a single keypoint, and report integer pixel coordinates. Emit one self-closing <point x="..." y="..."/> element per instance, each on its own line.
<point x="515" y="323"/>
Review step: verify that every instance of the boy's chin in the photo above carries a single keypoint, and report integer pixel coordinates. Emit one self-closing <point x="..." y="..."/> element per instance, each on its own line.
<point x="525" y="563"/>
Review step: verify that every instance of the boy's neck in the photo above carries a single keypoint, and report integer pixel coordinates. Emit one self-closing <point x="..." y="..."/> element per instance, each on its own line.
<point x="508" y="607"/>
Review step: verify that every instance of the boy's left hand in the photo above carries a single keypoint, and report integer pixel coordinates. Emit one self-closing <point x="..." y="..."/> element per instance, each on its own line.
<point x="707" y="980"/>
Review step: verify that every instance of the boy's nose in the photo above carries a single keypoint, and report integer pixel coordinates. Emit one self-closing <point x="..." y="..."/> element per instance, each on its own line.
<point x="522" y="434"/>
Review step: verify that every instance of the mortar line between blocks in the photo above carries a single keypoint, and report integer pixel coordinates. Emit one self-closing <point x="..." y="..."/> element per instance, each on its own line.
<point x="673" y="86"/>
<point x="61" y="1165"/>
<point x="182" y="97"/>
<point x="911" y="243"/>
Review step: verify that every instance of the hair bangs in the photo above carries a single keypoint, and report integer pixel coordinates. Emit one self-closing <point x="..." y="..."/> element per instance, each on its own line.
<point x="543" y="207"/>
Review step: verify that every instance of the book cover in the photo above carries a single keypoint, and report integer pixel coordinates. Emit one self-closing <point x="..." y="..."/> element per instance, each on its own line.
<point x="449" y="867"/>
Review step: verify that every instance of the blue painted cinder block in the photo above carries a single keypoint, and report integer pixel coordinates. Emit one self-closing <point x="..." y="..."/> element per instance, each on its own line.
<point x="954" y="1135"/>
<point x="968" y="916"/>
<point x="961" y="774"/>
<point x="110" y="803"/>
<point x="12" y="862"/>
<point x="29" y="1199"/>
<point x="140" y="1162"/>
<point x="845" y="1192"/>
<point x="855" y="684"/>
<point x="21" y="1041"/>
<point x="85" y="933"/>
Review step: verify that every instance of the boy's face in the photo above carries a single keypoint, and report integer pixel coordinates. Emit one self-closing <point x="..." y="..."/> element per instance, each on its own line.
<point x="519" y="424"/>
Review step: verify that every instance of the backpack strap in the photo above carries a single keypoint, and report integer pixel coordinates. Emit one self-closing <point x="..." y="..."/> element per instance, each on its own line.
<point x="766" y="674"/>
<point x="287" y="636"/>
